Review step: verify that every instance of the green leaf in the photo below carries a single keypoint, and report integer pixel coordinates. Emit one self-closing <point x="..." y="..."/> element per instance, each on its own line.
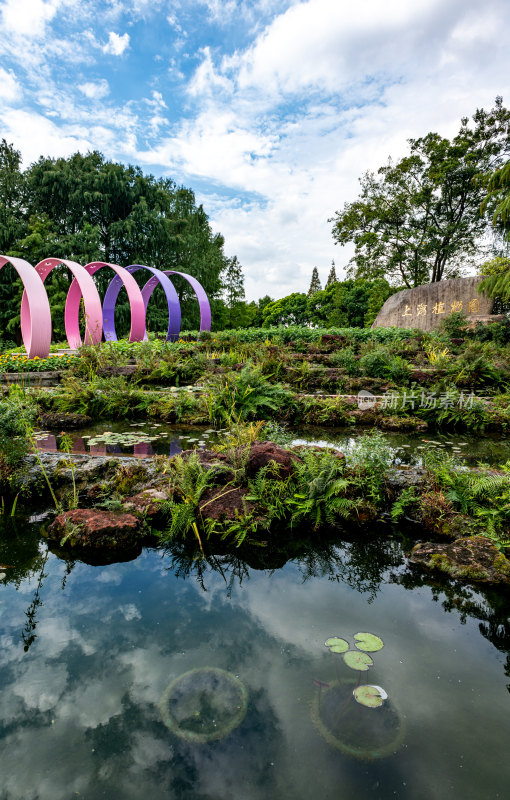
<point x="359" y="661"/>
<point x="369" y="696"/>
<point x="368" y="642"/>
<point x="337" y="645"/>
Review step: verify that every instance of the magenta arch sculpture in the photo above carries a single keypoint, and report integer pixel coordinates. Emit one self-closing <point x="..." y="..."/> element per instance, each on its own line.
<point x="35" y="313"/>
<point x="91" y="299"/>
<point x="172" y="299"/>
<point x="136" y="303"/>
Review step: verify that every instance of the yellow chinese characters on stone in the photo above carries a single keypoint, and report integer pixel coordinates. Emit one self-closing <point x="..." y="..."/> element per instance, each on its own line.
<point x="474" y="305"/>
<point x="438" y="308"/>
<point x="421" y="310"/>
<point x="456" y="306"/>
<point x="407" y="312"/>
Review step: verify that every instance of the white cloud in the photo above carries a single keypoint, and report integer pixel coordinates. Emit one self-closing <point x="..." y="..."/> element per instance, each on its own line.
<point x="116" y="44"/>
<point x="10" y="90"/>
<point x="95" y="90"/>
<point x="28" y="17"/>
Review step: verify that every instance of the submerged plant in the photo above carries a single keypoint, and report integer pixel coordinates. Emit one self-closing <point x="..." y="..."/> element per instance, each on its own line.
<point x="336" y="709"/>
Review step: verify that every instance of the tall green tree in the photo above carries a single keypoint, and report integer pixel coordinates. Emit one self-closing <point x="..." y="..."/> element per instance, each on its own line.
<point x="233" y="288"/>
<point x="419" y="220"/>
<point x="315" y="284"/>
<point x="332" y="275"/>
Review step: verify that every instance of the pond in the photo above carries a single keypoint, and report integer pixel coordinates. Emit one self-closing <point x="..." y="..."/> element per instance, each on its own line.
<point x="146" y="439"/>
<point x="173" y="677"/>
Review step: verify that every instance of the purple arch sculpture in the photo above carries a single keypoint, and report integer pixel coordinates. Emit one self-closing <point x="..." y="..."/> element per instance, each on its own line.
<point x="172" y="299"/>
<point x="35" y="313"/>
<point x="136" y="303"/>
<point x="203" y="300"/>
<point x="91" y="299"/>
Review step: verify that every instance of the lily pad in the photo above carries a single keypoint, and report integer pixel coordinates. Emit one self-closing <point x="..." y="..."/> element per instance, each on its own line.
<point x="368" y="642"/>
<point x="369" y="696"/>
<point x="356" y="660"/>
<point x="337" y="645"/>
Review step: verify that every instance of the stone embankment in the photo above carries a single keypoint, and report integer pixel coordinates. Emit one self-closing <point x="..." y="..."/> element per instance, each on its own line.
<point x="143" y="488"/>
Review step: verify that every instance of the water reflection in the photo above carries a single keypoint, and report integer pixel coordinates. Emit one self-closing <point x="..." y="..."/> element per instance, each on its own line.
<point x="83" y="700"/>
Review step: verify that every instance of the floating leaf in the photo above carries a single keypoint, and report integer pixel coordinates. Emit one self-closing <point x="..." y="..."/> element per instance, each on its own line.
<point x="337" y="645"/>
<point x="356" y="660"/>
<point x="369" y="696"/>
<point x="368" y="642"/>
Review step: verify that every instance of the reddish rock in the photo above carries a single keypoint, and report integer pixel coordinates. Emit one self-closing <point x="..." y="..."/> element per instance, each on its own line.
<point x="225" y="503"/>
<point x="93" y="528"/>
<point x="262" y="453"/>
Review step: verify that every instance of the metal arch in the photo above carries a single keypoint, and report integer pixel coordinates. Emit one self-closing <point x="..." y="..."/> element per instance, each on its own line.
<point x="136" y="303"/>
<point x="203" y="300"/>
<point x="172" y="299"/>
<point x="91" y="299"/>
<point x="35" y="312"/>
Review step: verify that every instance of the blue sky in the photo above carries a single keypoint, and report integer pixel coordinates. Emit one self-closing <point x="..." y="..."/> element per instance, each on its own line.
<point x="270" y="110"/>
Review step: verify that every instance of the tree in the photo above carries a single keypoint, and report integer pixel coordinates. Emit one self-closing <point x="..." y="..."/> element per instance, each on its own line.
<point x="499" y="194"/>
<point x="332" y="275"/>
<point x="419" y="220"/>
<point x="290" y="310"/>
<point x="315" y="284"/>
<point x="233" y="287"/>
<point x="86" y="208"/>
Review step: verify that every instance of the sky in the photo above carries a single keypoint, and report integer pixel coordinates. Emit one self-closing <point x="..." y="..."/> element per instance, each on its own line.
<point x="270" y="110"/>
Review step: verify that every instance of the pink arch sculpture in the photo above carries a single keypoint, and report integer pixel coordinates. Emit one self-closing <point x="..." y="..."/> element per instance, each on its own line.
<point x="35" y="312"/>
<point x="91" y="299"/>
<point x="136" y="303"/>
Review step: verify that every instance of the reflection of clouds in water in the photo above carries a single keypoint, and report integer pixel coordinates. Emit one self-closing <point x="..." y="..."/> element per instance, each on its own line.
<point x="130" y="612"/>
<point x="40" y="685"/>
<point x="36" y="767"/>
<point x="95" y="702"/>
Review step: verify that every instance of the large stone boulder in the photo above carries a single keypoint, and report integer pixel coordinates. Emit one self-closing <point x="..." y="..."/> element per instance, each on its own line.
<point x="473" y="558"/>
<point x="92" y="528"/>
<point x="425" y="306"/>
<point x="262" y="453"/>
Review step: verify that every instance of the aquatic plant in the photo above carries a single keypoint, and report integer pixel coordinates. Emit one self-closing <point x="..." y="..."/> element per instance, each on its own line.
<point x="364" y="735"/>
<point x="204" y="704"/>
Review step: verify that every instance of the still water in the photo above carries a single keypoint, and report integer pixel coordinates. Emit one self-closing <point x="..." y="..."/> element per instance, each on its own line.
<point x="144" y="439"/>
<point x="87" y="654"/>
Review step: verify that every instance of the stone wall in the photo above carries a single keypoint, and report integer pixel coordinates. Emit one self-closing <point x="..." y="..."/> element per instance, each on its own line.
<point x="425" y="306"/>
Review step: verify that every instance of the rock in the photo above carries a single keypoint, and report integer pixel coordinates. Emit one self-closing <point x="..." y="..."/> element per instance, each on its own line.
<point x="400" y="478"/>
<point x="147" y="502"/>
<point x="262" y="453"/>
<point x="225" y="503"/>
<point x="472" y="558"/>
<point x="63" y="421"/>
<point x="408" y="423"/>
<point x="95" y="529"/>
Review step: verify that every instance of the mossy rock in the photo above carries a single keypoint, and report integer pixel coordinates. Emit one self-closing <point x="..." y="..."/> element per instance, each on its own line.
<point x="472" y="558"/>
